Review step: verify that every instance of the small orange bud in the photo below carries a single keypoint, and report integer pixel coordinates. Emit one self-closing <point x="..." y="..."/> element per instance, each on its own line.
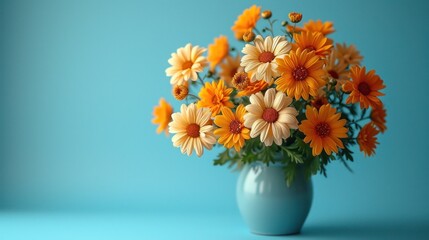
<point x="249" y="36"/>
<point x="295" y="17"/>
<point x="266" y="14"/>
<point x="240" y="80"/>
<point x="180" y="92"/>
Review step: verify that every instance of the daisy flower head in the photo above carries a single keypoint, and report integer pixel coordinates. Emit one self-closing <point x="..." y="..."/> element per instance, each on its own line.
<point x="378" y="117"/>
<point x="231" y="131"/>
<point x="217" y="51"/>
<point x="192" y="129"/>
<point x="323" y="129"/>
<point x="270" y="117"/>
<point x="348" y="54"/>
<point x="364" y="87"/>
<point x="336" y="70"/>
<point x="246" y="21"/>
<point x="162" y="115"/>
<point x="185" y="64"/>
<point x="313" y="41"/>
<point x="301" y="74"/>
<point x="367" y="139"/>
<point x="261" y="57"/>
<point x="229" y="67"/>
<point x="215" y="96"/>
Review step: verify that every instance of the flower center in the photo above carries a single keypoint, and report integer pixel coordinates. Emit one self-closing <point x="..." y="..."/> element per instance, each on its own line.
<point x="187" y="65"/>
<point x="266" y="57"/>
<point x="193" y="130"/>
<point x="364" y="88"/>
<point x="300" y="73"/>
<point x="270" y="115"/>
<point x="323" y="129"/>
<point x="235" y="127"/>
<point x="333" y="74"/>
<point x="310" y="48"/>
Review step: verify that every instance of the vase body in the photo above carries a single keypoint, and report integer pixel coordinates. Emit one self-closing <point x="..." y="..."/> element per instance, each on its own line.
<point x="268" y="205"/>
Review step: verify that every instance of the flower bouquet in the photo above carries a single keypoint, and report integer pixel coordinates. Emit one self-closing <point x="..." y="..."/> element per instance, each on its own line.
<point x="293" y="93"/>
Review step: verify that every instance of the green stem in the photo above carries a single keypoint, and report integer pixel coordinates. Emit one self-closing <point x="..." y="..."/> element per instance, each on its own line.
<point x="194" y="96"/>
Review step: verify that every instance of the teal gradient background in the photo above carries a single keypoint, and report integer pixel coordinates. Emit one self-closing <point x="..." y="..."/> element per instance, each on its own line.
<point x="79" y="79"/>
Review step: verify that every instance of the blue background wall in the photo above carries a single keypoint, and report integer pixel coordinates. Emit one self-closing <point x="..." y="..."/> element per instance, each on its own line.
<point x="79" y="79"/>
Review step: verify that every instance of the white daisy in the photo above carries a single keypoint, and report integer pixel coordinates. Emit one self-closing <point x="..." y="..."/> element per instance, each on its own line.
<point x="185" y="64"/>
<point x="270" y="116"/>
<point x="192" y="129"/>
<point x="261" y="57"/>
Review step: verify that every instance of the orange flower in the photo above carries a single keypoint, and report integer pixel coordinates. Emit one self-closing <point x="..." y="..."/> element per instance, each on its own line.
<point x="215" y="95"/>
<point x="313" y="41"/>
<point x="378" y="117"/>
<point x="253" y="87"/>
<point x="323" y="129"/>
<point x="162" y="115"/>
<point x="336" y="70"/>
<point x="231" y="131"/>
<point x="348" y="54"/>
<point x="246" y="21"/>
<point x="218" y="51"/>
<point x="229" y="68"/>
<point x="364" y="87"/>
<point x="367" y="139"/>
<point x="324" y="28"/>
<point x="301" y="74"/>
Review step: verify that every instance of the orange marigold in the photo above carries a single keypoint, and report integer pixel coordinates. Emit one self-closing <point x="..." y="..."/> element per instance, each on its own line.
<point x="162" y="115"/>
<point x="364" y="87"/>
<point x="313" y="41"/>
<point x="348" y="54"/>
<point x="323" y="129"/>
<point x="324" y="28"/>
<point x="215" y="95"/>
<point x="231" y="131"/>
<point x="301" y="74"/>
<point x="246" y="21"/>
<point x="218" y="51"/>
<point x="367" y="139"/>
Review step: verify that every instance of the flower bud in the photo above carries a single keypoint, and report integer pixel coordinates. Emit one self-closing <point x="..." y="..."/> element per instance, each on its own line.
<point x="266" y="14"/>
<point x="180" y="92"/>
<point x="295" y="17"/>
<point x="249" y="36"/>
<point x="284" y="23"/>
<point x="240" y="80"/>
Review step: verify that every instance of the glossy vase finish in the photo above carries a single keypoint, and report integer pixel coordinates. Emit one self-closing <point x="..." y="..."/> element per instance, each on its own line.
<point x="268" y="205"/>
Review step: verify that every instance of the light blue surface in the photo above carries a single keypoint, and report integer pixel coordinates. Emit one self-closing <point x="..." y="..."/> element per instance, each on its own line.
<point x="268" y="205"/>
<point x="79" y="79"/>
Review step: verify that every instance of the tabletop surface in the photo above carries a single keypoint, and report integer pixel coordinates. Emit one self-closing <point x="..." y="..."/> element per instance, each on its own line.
<point x="141" y="225"/>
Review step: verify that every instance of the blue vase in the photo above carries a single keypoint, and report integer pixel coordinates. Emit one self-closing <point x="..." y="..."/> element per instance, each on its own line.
<point x="268" y="205"/>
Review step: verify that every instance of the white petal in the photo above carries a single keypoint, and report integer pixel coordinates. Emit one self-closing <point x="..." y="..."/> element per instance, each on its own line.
<point x="269" y="97"/>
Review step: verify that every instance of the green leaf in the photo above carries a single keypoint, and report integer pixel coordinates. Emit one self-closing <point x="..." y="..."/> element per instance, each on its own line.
<point x="294" y="156"/>
<point x="289" y="171"/>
